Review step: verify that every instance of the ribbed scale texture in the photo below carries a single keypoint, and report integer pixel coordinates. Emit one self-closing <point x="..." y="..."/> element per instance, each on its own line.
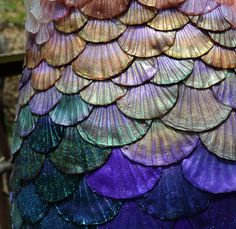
<point x="126" y="116"/>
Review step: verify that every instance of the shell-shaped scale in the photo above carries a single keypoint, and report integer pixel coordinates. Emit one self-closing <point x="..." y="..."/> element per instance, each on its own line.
<point x="17" y="141"/>
<point x="161" y="145"/>
<point x="44" y="76"/>
<point x="148" y="101"/>
<point x="213" y="21"/>
<point x="190" y="42"/>
<point x="33" y="55"/>
<point x="196" y="110"/>
<point x="161" y="4"/>
<point x="26" y="93"/>
<point x="137" y="14"/>
<point x="225" y="92"/>
<point x="140" y="71"/>
<point x="17" y="219"/>
<point x="173" y="197"/>
<point x="70" y="83"/>
<point x="208" y="172"/>
<point x="53" y="186"/>
<point x="102" y="30"/>
<point x="74" y="21"/>
<point x="76" y="156"/>
<point x="204" y="76"/>
<point x="221" y="140"/>
<point x="62" y="48"/>
<point x="107" y="126"/>
<point x="26" y="121"/>
<point x="25" y="77"/>
<point x="220" y="57"/>
<point x="171" y="71"/>
<point x="143" y="41"/>
<point x="31" y="207"/>
<point x="44" y="101"/>
<point x="101" y="61"/>
<point x="46" y="135"/>
<point x="120" y="178"/>
<point x="169" y="19"/>
<point x="105" y="9"/>
<point x="28" y="163"/>
<point x="132" y="216"/>
<point x="70" y="110"/>
<point x="15" y="182"/>
<point x="44" y="34"/>
<point x="226" y="38"/>
<point x="102" y="93"/>
<point x="85" y="207"/>
<point x="193" y="7"/>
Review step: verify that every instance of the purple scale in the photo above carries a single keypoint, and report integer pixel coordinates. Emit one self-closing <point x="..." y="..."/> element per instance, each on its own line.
<point x="120" y="178"/>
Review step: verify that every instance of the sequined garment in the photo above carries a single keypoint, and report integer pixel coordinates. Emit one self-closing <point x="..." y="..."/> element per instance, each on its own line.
<point x="126" y="116"/>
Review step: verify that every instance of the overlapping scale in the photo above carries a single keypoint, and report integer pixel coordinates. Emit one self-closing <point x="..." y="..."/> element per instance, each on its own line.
<point x="44" y="101"/>
<point x="161" y="145"/>
<point x="226" y="38"/>
<point x="70" y="83"/>
<point x="190" y="42"/>
<point x="196" y="110"/>
<point x="102" y="93"/>
<point x="131" y="216"/>
<point x="208" y="172"/>
<point x="143" y="41"/>
<point x="63" y="48"/>
<point x="78" y="3"/>
<point x="220" y="214"/>
<point x="169" y="19"/>
<point x="25" y="77"/>
<point x="53" y="220"/>
<point x="53" y="186"/>
<point x="17" y="219"/>
<point x="44" y="34"/>
<point x="70" y="110"/>
<point x="105" y="9"/>
<point x="16" y="141"/>
<point x="225" y="92"/>
<point x="82" y="156"/>
<point x="221" y="140"/>
<point x="102" y="30"/>
<point x="44" y="76"/>
<point x="27" y="162"/>
<point x="212" y="21"/>
<point x="26" y="121"/>
<point x="46" y="135"/>
<point x="85" y="207"/>
<point x="15" y="182"/>
<point x="193" y="7"/>
<point x="137" y="14"/>
<point x="31" y="207"/>
<point x="101" y="61"/>
<point x="204" y="76"/>
<point x="71" y="23"/>
<point x="229" y="12"/>
<point x="107" y="126"/>
<point x="173" y="197"/>
<point x="140" y="71"/>
<point x="220" y="57"/>
<point x="26" y="93"/>
<point x="33" y="56"/>
<point x="160" y="4"/>
<point x="171" y="71"/>
<point x="148" y="101"/>
<point x="120" y="178"/>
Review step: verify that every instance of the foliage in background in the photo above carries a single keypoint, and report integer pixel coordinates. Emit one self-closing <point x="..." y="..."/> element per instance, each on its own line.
<point x="12" y="13"/>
